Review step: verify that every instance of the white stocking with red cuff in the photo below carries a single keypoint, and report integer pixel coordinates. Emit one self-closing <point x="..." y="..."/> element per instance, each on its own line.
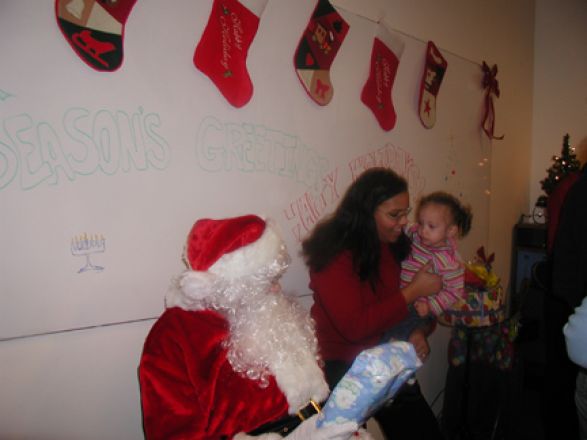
<point x="222" y="51"/>
<point x="385" y="56"/>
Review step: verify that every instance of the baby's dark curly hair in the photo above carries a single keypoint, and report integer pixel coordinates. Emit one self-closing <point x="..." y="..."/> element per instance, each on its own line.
<point x="461" y="214"/>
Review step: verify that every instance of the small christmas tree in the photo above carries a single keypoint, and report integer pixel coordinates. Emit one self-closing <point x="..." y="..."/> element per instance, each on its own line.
<point x="566" y="164"/>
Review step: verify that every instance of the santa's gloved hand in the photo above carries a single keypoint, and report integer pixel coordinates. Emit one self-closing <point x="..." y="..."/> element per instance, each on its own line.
<point x="362" y="434"/>
<point x="308" y="430"/>
<point x="268" y="436"/>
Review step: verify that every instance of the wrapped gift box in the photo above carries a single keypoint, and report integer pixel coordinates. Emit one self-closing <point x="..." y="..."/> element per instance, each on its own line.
<point x="484" y="301"/>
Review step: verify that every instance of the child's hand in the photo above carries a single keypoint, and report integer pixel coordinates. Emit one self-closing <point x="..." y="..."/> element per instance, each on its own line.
<point x="424" y="283"/>
<point x="418" y="339"/>
<point x="422" y="308"/>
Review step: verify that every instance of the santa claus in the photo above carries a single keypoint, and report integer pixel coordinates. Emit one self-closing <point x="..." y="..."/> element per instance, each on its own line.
<point x="232" y="357"/>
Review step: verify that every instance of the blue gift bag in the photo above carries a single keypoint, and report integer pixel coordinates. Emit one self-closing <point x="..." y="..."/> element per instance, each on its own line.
<point x="374" y="377"/>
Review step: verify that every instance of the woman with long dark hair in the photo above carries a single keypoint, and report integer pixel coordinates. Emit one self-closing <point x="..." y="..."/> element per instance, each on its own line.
<point x="354" y="257"/>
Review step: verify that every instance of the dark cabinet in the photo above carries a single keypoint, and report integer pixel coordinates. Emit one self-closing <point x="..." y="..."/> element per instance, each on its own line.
<point x="528" y="248"/>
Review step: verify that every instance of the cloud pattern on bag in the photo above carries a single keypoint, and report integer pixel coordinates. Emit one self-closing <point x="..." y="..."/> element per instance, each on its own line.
<point x="374" y="377"/>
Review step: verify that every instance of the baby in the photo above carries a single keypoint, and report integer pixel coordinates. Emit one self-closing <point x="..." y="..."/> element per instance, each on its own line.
<point x="441" y="220"/>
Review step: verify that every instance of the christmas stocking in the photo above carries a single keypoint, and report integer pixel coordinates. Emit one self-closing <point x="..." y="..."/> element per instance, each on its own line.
<point x="385" y="55"/>
<point x="433" y="74"/>
<point x="316" y="51"/>
<point x="222" y="51"/>
<point x="95" y="29"/>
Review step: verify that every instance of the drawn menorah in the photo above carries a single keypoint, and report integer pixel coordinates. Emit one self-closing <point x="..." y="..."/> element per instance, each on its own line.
<point x="86" y="245"/>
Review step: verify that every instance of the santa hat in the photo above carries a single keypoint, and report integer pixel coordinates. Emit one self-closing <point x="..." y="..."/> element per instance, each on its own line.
<point x="219" y="251"/>
<point x="233" y="247"/>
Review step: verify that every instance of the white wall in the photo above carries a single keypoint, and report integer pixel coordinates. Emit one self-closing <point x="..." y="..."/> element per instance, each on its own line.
<point x="78" y="385"/>
<point x="498" y="32"/>
<point x="560" y="84"/>
<point x="82" y="385"/>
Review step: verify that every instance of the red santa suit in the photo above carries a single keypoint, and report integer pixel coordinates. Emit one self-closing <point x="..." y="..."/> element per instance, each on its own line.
<point x="205" y="373"/>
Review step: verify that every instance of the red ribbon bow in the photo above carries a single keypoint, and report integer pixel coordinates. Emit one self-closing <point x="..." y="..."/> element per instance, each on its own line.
<point x="487" y="261"/>
<point x="471" y="278"/>
<point x="491" y="87"/>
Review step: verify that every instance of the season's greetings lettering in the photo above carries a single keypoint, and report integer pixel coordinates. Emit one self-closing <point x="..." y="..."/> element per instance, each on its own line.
<point x="249" y="148"/>
<point x="32" y="152"/>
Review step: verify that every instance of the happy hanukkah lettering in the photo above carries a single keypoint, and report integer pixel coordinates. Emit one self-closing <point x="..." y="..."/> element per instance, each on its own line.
<point x="305" y="211"/>
<point x="396" y="158"/>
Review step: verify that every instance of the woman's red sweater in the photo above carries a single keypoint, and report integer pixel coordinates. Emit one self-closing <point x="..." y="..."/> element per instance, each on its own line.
<point x="349" y="315"/>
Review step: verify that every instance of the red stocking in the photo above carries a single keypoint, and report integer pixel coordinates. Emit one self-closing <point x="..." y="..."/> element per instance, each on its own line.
<point x="385" y="55"/>
<point x="317" y="49"/>
<point x="95" y="29"/>
<point x="433" y="74"/>
<point x="222" y="51"/>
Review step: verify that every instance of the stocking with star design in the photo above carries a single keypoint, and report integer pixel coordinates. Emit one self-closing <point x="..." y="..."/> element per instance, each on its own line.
<point x="434" y="71"/>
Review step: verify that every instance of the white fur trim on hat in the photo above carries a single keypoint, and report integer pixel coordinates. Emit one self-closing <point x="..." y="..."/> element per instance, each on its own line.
<point x="250" y="258"/>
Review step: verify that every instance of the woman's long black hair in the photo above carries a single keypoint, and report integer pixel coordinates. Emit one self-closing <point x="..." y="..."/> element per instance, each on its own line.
<point x="352" y="226"/>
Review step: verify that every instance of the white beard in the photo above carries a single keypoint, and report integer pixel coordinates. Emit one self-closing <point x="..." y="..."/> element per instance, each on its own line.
<point x="270" y="335"/>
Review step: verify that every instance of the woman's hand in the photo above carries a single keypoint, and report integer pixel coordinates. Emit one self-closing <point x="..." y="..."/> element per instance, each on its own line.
<point x="424" y="283"/>
<point x="418" y="339"/>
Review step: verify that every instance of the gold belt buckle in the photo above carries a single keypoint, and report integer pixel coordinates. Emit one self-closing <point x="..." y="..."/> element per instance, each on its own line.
<point x="316" y="407"/>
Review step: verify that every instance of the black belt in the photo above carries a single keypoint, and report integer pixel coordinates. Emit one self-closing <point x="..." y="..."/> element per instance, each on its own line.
<point x="287" y="424"/>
